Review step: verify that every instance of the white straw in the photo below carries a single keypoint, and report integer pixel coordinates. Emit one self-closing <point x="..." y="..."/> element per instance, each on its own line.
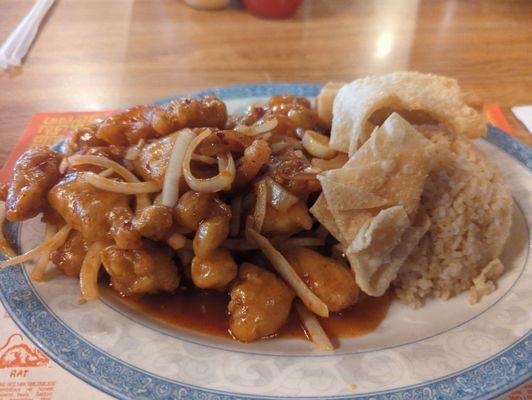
<point x="13" y="38"/>
<point x="28" y="35"/>
<point x="17" y="44"/>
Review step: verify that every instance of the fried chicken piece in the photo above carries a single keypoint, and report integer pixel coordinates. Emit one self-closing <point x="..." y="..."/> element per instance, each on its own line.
<point x="152" y="160"/>
<point x="215" y="271"/>
<point x="35" y="172"/>
<point x="300" y="117"/>
<point x="292" y="118"/>
<point x="212" y="232"/>
<point x="220" y="142"/>
<point x="150" y="269"/>
<point x="128" y="127"/>
<point x="154" y="222"/>
<point x="293" y="220"/>
<point x="189" y="112"/>
<point x="208" y="216"/>
<point x="288" y="99"/>
<point x="194" y="207"/>
<point x="83" y="137"/>
<point x="334" y="284"/>
<point x="260" y="303"/>
<point x="84" y="206"/>
<point x="255" y="157"/>
<point x="122" y="229"/>
<point x="149" y="121"/>
<point x="70" y="255"/>
<point x="252" y="115"/>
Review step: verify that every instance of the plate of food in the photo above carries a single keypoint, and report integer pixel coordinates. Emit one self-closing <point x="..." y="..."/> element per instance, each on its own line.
<point x="366" y="240"/>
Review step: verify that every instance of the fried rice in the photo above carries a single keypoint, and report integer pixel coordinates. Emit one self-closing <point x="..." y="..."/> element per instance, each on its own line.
<point x="470" y="208"/>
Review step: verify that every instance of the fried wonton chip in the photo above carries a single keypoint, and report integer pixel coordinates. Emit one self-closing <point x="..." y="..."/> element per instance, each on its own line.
<point x="321" y="211"/>
<point x="370" y="252"/>
<point x="437" y="96"/>
<point x="371" y="203"/>
<point x="345" y="194"/>
<point x="325" y="100"/>
<point x="382" y="246"/>
<point x="389" y="169"/>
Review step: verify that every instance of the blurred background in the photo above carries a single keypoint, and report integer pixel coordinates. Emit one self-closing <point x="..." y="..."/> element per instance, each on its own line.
<point x="102" y="54"/>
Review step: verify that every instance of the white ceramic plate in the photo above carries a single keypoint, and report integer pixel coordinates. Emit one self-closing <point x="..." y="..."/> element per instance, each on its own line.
<point x="444" y="350"/>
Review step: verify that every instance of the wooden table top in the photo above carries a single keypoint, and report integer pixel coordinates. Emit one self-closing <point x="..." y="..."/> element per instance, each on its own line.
<point x="99" y="54"/>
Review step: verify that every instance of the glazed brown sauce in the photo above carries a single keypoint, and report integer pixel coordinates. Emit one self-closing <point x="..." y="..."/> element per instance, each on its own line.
<point x="206" y="312"/>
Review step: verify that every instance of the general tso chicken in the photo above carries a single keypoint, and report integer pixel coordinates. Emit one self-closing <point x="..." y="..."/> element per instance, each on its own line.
<point x="161" y="196"/>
